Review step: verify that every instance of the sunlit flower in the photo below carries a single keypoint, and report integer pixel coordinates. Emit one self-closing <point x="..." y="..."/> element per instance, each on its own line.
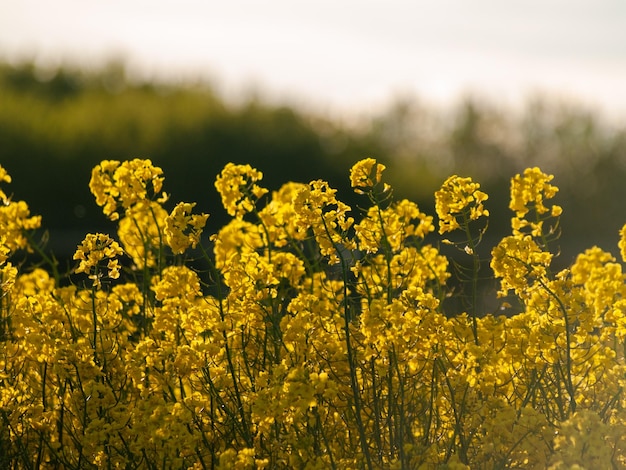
<point x="392" y="227"/>
<point x="529" y="192"/>
<point x="121" y="185"/>
<point x="457" y="202"/>
<point x="95" y="249"/>
<point x="366" y="174"/>
<point x="182" y="229"/>
<point x="622" y="242"/>
<point x="15" y="220"/>
<point x="518" y="262"/>
<point x="141" y="233"/>
<point x="317" y="207"/>
<point x="306" y="340"/>
<point x="237" y="187"/>
<point x="4" y="178"/>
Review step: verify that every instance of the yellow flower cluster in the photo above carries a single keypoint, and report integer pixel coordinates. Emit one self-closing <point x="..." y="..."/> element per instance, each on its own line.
<point x="238" y="189"/>
<point x="622" y="242"/>
<point x="118" y="185"/>
<point x="522" y="260"/>
<point x="366" y="174"/>
<point x="16" y="223"/>
<point x="182" y="229"/>
<point x="146" y="227"/>
<point x="518" y="262"/>
<point x="529" y="192"/>
<point x="317" y="209"/>
<point x="4" y="178"/>
<point x="15" y="220"/>
<point x="308" y="339"/>
<point x="94" y="249"/>
<point x="141" y="233"/>
<point x="392" y="226"/>
<point x="457" y="202"/>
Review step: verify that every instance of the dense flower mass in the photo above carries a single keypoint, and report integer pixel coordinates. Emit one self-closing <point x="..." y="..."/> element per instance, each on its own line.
<point x="238" y="189"/>
<point x="309" y="336"/>
<point x="118" y="185"/>
<point x="182" y="229"/>
<point x="15" y="220"/>
<point x="459" y="201"/>
<point x="366" y="174"/>
<point x="95" y="249"/>
<point x="622" y="242"/>
<point x="529" y="192"/>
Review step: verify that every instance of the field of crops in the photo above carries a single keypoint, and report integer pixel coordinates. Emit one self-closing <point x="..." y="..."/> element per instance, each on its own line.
<point x="309" y="334"/>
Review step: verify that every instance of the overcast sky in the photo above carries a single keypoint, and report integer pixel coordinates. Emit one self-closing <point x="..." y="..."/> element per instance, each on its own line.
<point x="343" y="54"/>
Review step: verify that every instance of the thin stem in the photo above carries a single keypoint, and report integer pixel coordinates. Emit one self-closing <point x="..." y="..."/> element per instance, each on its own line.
<point x="568" y="347"/>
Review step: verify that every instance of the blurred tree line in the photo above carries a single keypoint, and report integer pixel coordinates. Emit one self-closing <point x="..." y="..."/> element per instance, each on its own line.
<point x="55" y="125"/>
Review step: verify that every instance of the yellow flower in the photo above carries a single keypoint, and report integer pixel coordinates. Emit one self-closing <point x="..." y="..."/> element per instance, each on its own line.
<point x="392" y="226"/>
<point x="459" y="199"/>
<point x="366" y="174"/>
<point x="116" y="184"/>
<point x="317" y="207"/>
<point x="4" y="178"/>
<point x="529" y="192"/>
<point x="183" y="229"/>
<point x="8" y="274"/>
<point x="140" y="232"/>
<point x="15" y="218"/>
<point x="622" y="242"/>
<point x="517" y="261"/>
<point x="94" y="249"/>
<point x="274" y="359"/>
<point x="238" y="189"/>
<point x="279" y="219"/>
<point x="238" y="236"/>
<point x="581" y="442"/>
<point x="177" y="282"/>
<point x="4" y="250"/>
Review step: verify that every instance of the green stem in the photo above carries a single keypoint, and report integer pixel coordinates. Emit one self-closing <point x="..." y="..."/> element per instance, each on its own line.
<point x="475" y="271"/>
<point x="569" y="385"/>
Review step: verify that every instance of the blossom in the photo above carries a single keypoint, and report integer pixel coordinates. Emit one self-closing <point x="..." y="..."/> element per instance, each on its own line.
<point x="8" y="274"/>
<point x="278" y="217"/>
<point x="121" y="185"/>
<point x="392" y="226"/>
<point x="141" y="233"/>
<point x="306" y="340"/>
<point x="459" y="198"/>
<point x="4" y="178"/>
<point x="581" y="443"/>
<point x="517" y="262"/>
<point x="365" y="174"/>
<point x="237" y="187"/>
<point x="622" y="242"/>
<point x="236" y="237"/>
<point x="93" y="250"/>
<point x="530" y="190"/>
<point x="183" y="229"/>
<point x="15" y="219"/>
<point x="316" y="206"/>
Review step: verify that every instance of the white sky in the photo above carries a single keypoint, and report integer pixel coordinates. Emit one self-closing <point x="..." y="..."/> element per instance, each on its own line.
<point x="343" y="55"/>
